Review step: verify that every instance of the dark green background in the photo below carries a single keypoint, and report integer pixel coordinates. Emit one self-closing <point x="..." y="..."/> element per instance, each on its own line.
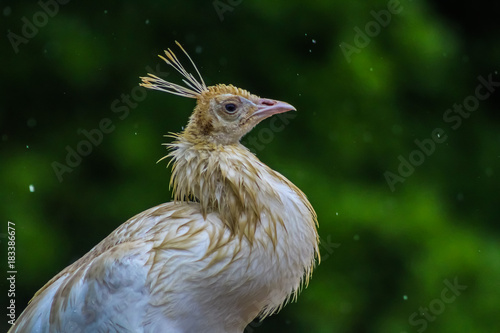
<point x="385" y="253"/>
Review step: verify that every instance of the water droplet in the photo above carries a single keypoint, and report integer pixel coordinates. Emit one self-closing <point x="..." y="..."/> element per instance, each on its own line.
<point x="27" y="147"/>
<point x="337" y="213"/>
<point x="105" y="11"/>
<point x="198" y="49"/>
<point x="405" y="297"/>
<point x="310" y="50"/>
<point x="305" y="34"/>
<point x="371" y="69"/>
<point x="32" y="188"/>
<point x="314" y="41"/>
<point x="135" y="133"/>
<point x="147" y="21"/>
<point x="297" y="74"/>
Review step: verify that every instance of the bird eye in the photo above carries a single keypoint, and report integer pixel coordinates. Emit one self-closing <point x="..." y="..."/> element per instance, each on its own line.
<point x="230" y="107"/>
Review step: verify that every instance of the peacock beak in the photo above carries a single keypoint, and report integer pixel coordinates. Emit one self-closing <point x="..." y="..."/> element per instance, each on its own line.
<point x="268" y="107"/>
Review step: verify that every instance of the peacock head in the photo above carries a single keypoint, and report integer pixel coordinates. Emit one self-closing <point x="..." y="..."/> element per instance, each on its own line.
<point x="223" y="113"/>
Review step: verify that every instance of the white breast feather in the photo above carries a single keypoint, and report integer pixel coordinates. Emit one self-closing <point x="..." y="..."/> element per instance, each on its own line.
<point x="153" y="273"/>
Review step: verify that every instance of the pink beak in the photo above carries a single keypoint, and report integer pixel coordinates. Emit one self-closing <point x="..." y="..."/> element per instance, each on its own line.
<point x="268" y="107"/>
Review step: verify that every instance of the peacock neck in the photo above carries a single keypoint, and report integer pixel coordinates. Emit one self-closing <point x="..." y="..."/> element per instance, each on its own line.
<point x="227" y="180"/>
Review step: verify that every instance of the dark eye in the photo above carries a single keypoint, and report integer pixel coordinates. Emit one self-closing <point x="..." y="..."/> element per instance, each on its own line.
<point x="230" y="107"/>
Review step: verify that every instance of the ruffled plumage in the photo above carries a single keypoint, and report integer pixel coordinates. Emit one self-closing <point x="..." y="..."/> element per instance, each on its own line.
<point x="238" y="240"/>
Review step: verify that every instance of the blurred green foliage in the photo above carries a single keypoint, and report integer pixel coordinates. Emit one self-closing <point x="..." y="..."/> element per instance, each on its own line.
<point x="387" y="252"/>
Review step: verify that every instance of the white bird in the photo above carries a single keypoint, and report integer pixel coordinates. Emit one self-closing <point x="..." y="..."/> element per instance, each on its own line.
<point x="238" y="241"/>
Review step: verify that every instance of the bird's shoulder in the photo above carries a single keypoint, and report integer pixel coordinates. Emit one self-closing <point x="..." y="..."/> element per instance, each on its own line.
<point x="114" y="280"/>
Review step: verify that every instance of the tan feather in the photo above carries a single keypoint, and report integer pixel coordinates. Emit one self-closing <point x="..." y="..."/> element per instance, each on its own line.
<point x="238" y="240"/>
